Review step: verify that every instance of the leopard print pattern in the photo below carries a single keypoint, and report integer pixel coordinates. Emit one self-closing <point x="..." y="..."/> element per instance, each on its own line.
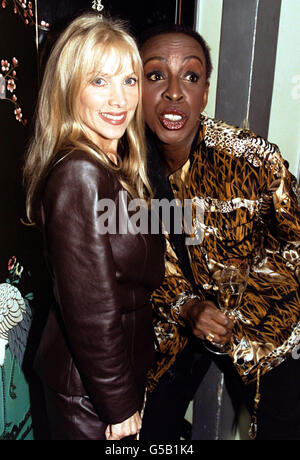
<point x="251" y="210"/>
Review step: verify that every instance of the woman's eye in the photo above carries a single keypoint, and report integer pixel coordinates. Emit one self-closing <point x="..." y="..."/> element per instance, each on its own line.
<point x="192" y="77"/>
<point x="99" y="81"/>
<point x="154" y="76"/>
<point x="131" y="81"/>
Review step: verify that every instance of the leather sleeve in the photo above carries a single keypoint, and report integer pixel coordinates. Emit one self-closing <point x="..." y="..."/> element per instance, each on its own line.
<point x="86" y="286"/>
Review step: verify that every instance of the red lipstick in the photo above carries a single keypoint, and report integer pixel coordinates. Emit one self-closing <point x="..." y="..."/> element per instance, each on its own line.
<point x="173" y="119"/>
<point x="114" y="119"/>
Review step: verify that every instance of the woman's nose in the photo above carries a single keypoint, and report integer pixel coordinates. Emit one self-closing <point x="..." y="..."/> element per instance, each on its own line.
<point x="173" y="91"/>
<point x="117" y="96"/>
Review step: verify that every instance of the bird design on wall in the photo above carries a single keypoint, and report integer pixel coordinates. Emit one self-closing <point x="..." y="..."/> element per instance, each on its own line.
<point x="15" y="315"/>
<point x="15" y="318"/>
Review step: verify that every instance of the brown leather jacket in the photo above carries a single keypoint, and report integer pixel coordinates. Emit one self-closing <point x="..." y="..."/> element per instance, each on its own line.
<point x="98" y="340"/>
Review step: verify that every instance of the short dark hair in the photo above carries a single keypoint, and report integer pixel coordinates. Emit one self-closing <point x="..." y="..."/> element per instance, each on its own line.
<point x="162" y="29"/>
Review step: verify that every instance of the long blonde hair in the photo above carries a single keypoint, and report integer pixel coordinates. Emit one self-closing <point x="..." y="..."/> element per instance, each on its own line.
<point x="57" y="125"/>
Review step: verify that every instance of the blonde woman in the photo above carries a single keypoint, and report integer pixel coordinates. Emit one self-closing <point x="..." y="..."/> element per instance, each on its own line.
<point x="89" y="146"/>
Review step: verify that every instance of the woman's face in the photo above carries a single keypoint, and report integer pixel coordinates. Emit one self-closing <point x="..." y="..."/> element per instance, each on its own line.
<point x="175" y="88"/>
<point x="107" y="102"/>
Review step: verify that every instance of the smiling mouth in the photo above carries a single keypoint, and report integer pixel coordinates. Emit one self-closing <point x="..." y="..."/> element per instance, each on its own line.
<point x="173" y="119"/>
<point x="113" y="118"/>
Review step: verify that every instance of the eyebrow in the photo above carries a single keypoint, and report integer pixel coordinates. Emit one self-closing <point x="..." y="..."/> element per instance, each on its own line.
<point x="163" y="59"/>
<point x="156" y="58"/>
<point x="100" y="73"/>
<point x="192" y="56"/>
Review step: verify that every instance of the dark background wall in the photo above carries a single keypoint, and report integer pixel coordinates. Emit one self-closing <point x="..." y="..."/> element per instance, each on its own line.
<point x="140" y="14"/>
<point x="247" y="62"/>
<point x="19" y="43"/>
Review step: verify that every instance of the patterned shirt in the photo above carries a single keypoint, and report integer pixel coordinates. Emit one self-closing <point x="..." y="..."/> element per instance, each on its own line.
<point x="245" y="205"/>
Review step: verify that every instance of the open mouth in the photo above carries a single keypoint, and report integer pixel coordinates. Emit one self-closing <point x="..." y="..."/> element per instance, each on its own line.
<point x="173" y="119"/>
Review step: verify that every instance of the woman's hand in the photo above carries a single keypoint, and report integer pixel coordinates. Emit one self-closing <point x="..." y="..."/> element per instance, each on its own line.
<point x="129" y="427"/>
<point x="206" y="321"/>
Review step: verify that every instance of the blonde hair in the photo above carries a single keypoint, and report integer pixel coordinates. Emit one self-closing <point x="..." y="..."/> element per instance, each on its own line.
<point x="58" y="131"/>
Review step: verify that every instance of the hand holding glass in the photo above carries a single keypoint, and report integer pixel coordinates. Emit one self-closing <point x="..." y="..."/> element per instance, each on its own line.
<point x="232" y="284"/>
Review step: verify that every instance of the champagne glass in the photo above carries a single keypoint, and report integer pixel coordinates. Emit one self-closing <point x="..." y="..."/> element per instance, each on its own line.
<point x="231" y="286"/>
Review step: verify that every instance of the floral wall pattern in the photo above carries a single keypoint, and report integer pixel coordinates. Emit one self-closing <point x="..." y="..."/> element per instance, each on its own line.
<point x="8" y="86"/>
<point x="20" y="253"/>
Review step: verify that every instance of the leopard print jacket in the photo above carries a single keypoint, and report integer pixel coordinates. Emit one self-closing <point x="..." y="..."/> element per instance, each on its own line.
<point x="249" y="208"/>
